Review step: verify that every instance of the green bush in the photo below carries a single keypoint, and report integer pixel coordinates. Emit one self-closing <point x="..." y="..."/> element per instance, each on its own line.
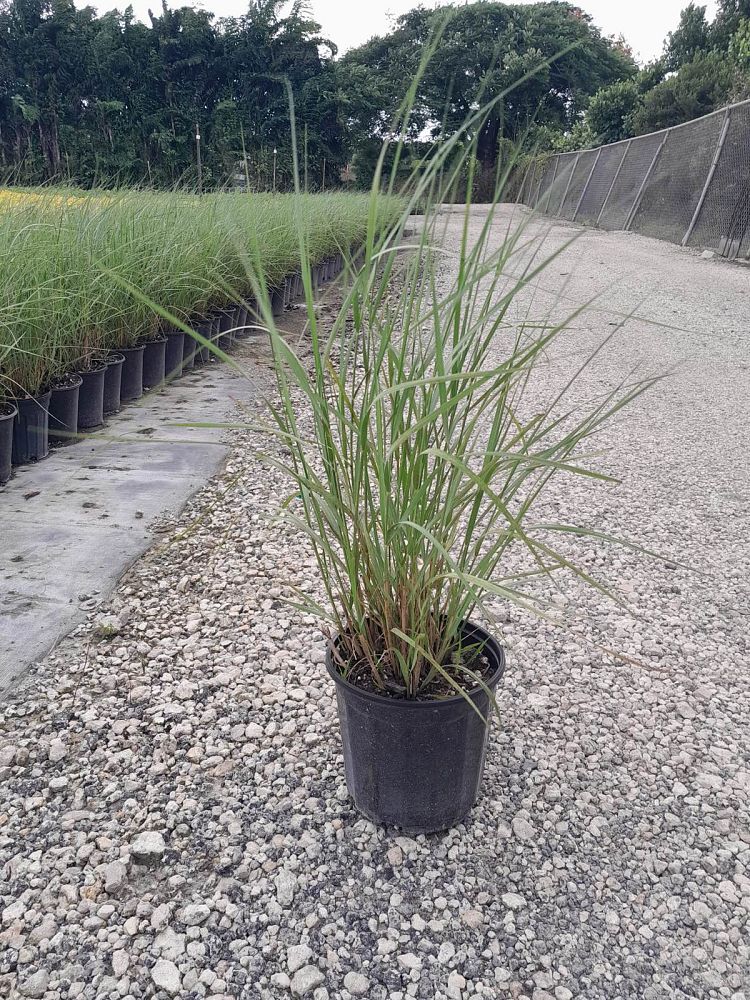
<point x="700" y="87"/>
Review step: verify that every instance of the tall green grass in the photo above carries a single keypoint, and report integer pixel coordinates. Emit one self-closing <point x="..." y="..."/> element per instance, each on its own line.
<point x="420" y="445"/>
<point x="69" y="262"/>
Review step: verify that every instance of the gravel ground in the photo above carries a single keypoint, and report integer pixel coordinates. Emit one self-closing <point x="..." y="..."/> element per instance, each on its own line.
<point x="174" y="819"/>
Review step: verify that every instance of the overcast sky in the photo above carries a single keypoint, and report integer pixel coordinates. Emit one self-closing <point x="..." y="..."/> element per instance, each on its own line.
<point x="644" y="23"/>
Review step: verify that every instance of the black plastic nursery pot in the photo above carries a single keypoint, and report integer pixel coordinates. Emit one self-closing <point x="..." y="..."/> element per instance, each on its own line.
<point x="154" y="362"/>
<point x="209" y="328"/>
<point x="7" y="419"/>
<point x="226" y="323"/>
<point x="238" y="322"/>
<point x="91" y="398"/>
<point x="252" y="318"/>
<point x="206" y="328"/>
<point x="277" y="301"/>
<point x="241" y="320"/>
<point x="189" y="350"/>
<point x="113" y="382"/>
<point x="31" y="429"/>
<point x="63" y="410"/>
<point x="233" y="316"/>
<point x="173" y="354"/>
<point x="131" y="382"/>
<point x="417" y="765"/>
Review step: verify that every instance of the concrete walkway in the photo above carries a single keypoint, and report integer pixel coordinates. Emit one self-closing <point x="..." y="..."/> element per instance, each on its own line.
<point x="73" y="523"/>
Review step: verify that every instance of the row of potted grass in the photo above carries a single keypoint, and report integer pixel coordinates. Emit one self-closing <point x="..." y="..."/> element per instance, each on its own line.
<point x="80" y="402"/>
<point x="79" y="278"/>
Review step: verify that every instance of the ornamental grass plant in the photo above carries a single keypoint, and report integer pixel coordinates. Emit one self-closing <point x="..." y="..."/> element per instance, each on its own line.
<point x="416" y="456"/>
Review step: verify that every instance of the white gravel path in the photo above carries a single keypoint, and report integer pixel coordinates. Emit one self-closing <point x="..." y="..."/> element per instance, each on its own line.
<point x="173" y="817"/>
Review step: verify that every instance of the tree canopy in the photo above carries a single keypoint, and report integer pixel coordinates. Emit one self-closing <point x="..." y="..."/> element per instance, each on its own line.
<point x="705" y="66"/>
<point x="546" y="58"/>
<point x="690" y="39"/>
<point x="95" y="99"/>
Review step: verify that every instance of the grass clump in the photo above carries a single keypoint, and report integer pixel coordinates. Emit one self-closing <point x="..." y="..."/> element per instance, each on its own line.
<point x="424" y="449"/>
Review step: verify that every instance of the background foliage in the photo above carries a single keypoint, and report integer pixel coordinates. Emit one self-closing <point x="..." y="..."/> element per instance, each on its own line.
<point x="97" y="100"/>
<point x="704" y="67"/>
<point x="107" y="99"/>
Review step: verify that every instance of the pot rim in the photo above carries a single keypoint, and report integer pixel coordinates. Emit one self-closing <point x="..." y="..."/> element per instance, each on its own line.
<point x="92" y="371"/>
<point x="409" y="704"/>
<point x="155" y="340"/>
<point x="115" y="358"/>
<point x="67" y="388"/>
<point x="38" y="399"/>
<point x="135" y="347"/>
<point x="8" y="411"/>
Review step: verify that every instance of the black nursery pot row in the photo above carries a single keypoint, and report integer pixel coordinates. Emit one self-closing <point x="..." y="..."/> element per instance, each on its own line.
<point x="80" y="402"/>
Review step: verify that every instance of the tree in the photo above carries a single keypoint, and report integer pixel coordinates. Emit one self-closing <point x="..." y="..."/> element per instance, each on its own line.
<point x="739" y="53"/>
<point x="610" y="110"/>
<point x="728" y="20"/>
<point x="264" y="49"/>
<point x="691" y="38"/>
<point x="739" y="46"/>
<point x="650" y="75"/>
<point x="700" y="86"/>
<point x="547" y="59"/>
<point x="107" y="99"/>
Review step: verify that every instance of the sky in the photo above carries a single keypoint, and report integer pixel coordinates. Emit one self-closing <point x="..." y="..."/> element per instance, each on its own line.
<point x="644" y="23"/>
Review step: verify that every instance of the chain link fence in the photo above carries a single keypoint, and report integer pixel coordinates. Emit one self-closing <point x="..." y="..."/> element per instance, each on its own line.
<point x="689" y="184"/>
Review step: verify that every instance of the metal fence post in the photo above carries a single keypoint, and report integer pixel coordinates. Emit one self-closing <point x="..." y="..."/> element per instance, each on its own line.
<point x="644" y="182"/>
<point x="529" y="177"/>
<point x="519" y="197"/>
<point x="709" y="178"/>
<point x="586" y="185"/>
<point x="567" y="186"/>
<point x="533" y="186"/>
<point x="551" y="184"/>
<point x="539" y="185"/>
<point x="628" y="144"/>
